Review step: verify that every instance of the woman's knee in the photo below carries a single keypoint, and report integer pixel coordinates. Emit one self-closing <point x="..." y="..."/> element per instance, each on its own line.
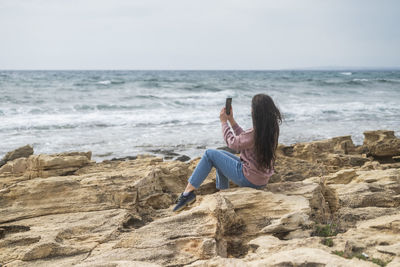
<point x="210" y="152"/>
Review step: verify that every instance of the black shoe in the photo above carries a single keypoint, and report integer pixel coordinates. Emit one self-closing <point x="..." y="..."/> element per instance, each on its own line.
<point x="184" y="201"/>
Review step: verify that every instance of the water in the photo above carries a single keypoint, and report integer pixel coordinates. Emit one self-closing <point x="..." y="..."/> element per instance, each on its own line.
<point x="121" y="113"/>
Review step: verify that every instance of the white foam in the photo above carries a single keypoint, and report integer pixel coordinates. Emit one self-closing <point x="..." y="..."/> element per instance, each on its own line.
<point x="360" y="80"/>
<point x="346" y="73"/>
<point x="105" y="82"/>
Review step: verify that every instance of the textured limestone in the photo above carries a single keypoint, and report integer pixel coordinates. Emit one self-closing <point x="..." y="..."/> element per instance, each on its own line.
<point x="21" y="152"/>
<point x="381" y="143"/>
<point x="66" y="210"/>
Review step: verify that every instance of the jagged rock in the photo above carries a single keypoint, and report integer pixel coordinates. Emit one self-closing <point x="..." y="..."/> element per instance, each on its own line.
<point x="119" y="213"/>
<point x="289" y="223"/>
<point x="394" y="263"/>
<point x="60" y="235"/>
<point x="131" y="182"/>
<point x="341" y="177"/>
<point x="375" y="188"/>
<point x="198" y="233"/>
<point x="326" y="155"/>
<point x="14" y="168"/>
<point x="348" y="217"/>
<point x="44" y="165"/>
<point x="294" y="169"/>
<point x="295" y="257"/>
<point x="322" y="199"/>
<point x="312" y="150"/>
<point x="56" y="165"/>
<point x="21" y="152"/>
<point x="183" y="158"/>
<point x="258" y="209"/>
<point x="381" y="143"/>
<point x="375" y="237"/>
<point x="390" y="249"/>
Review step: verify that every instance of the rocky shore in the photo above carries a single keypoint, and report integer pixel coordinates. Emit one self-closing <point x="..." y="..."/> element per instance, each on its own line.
<point x="330" y="203"/>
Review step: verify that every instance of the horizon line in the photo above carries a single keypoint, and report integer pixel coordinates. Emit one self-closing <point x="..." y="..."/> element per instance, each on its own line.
<point x="341" y="68"/>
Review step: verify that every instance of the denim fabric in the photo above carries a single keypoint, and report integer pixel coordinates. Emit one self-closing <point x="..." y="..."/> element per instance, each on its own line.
<point x="228" y="167"/>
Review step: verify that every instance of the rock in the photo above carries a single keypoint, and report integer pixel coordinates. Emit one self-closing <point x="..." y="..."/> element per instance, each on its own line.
<point x="390" y="249"/>
<point x="382" y="143"/>
<point x="124" y="158"/>
<point x="14" y="168"/>
<point x="56" y="165"/>
<point x="352" y="247"/>
<point x="378" y="238"/>
<point x="198" y="233"/>
<point x="349" y="217"/>
<point x="394" y="263"/>
<point x="309" y="257"/>
<point x="119" y="185"/>
<point x="288" y="223"/>
<point x="259" y="209"/>
<point x="46" y="165"/>
<point x="312" y="150"/>
<point x="324" y="156"/>
<point x="294" y="169"/>
<point x="60" y="235"/>
<point x="322" y="199"/>
<point x="295" y="257"/>
<point x="375" y="188"/>
<point x="183" y="158"/>
<point x="341" y="177"/>
<point x="21" y="152"/>
<point x="165" y="152"/>
<point x="64" y="209"/>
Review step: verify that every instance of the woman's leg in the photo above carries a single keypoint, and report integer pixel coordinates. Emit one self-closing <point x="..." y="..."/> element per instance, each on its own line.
<point x="230" y="155"/>
<point x="226" y="166"/>
<point x="222" y="182"/>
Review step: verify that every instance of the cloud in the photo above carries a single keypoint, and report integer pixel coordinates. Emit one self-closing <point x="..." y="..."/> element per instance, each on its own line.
<point x="178" y="34"/>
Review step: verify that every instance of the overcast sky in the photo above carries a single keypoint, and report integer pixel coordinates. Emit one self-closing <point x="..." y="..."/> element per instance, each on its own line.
<point x="201" y="34"/>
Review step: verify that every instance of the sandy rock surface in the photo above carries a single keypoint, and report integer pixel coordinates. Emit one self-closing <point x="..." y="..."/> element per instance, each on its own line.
<point x="330" y="203"/>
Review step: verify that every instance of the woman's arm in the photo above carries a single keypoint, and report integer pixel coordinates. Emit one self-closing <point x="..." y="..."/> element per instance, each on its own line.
<point x="236" y="128"/>
<point x="239" y="142"/>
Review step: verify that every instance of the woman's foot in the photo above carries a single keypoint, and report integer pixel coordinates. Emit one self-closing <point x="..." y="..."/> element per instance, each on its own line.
<point x="184" y="201"/>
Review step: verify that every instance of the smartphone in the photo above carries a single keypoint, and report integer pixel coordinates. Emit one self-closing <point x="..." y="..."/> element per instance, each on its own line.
<point x="228" y="104"/>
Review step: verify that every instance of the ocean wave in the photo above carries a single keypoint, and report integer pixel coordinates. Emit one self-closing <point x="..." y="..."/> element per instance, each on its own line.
<point x="147" y="97"/>
<point x="106" y="82"/>
<point x="66" y="126"/>
<point x="342" y="83"/>
<point x="117" y="107"/>
<point x="346" y="73"/>
<point x="86" y="107"/>
<point x="388" y="80"/>
<point x="169" y="123"/>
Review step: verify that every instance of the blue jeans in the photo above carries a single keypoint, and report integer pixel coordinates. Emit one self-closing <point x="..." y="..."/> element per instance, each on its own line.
<point x="228" y="167"/>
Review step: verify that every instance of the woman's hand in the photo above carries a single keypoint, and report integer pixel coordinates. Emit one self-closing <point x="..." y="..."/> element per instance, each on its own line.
<point x="230" y="116"/>
<point x="222" y="115"/>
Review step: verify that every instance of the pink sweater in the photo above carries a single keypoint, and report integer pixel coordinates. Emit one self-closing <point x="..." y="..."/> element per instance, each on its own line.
<point x="243" y="141"/>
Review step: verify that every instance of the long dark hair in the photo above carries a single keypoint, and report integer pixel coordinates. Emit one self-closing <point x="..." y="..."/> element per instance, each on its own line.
<point x="266" y="119"/>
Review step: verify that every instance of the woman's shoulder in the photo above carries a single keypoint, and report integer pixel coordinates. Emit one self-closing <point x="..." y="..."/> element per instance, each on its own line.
<point x="251" y="130"/>
<point x="248" y="134"/>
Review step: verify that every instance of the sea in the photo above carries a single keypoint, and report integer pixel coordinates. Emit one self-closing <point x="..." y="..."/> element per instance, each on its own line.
<point x="125" y="113"/>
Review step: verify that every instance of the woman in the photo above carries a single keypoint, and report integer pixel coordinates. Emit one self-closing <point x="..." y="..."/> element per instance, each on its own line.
<point x="257" y="146"/>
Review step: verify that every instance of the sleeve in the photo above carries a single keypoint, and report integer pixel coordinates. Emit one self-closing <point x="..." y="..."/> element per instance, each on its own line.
<point x="237" y="129"/>
<point x="239" y="142"/>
